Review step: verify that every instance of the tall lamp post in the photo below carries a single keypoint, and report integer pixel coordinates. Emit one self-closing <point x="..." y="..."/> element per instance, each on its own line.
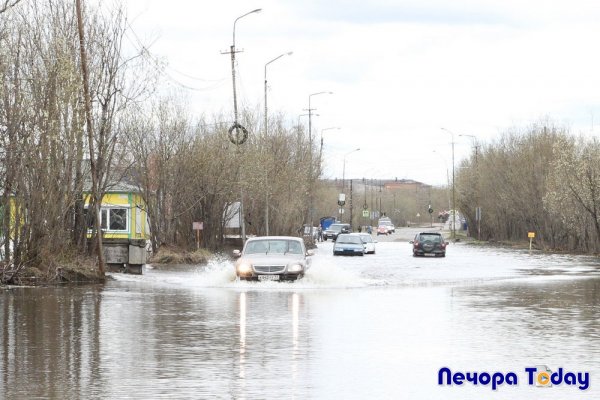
<point x="321" y="147"/>
<point x="273" y="60"/>
<point x="477" y="207"/>
<point x="310" y="159"/>
<point x="232" y="52"/>
<point x="266" y="133"/>
<point x="344" y="175"/>
<point x="310" y="114"/>
<point x="453" y="189"/>
<point x="236" y="138"/>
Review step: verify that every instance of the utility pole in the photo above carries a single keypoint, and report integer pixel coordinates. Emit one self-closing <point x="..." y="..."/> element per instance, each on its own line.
<point x="238" y="133"/>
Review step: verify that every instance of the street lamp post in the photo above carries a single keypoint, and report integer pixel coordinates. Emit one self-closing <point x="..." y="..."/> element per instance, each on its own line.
<point x="321" y="148"/>
<point x="310" y="159"/>
<point x="344" y="176"/>
<point x="477" y="206"/>
<point x="453" y="189"/>
<point x="236" y="126"/>
<point x="310" y="115"/>
<point x="273" y="60"/>
<point x="232" y="52"/>
<point x="266" y="133"/>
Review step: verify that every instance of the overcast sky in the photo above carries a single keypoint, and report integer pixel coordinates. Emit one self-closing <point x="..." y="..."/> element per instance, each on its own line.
<point x="399" y="71"/>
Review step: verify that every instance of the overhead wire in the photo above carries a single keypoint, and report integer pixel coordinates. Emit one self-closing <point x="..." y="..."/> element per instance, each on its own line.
<point x="162" y="67"/>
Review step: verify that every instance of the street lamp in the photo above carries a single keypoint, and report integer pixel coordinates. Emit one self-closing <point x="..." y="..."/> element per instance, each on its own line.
<point x="310" y="114"/>
<point x="236" y="126"/>
<point x="323" y="130"/>
<point x="453" y="189"/>
<point x="273" y="60"/>
<point x="477" y="206"/>
<point x="310" y="159"/>
<point x="344" y="175"/>
<point x="232" y="51"/>
<point x="266" y="133"/>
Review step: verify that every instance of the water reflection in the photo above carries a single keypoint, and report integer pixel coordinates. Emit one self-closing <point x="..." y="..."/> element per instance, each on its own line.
<point x="271" y="344"/>
<point x="49" y="341"/>
<point x="557" y="320"/>
<point x="242" y="333"/>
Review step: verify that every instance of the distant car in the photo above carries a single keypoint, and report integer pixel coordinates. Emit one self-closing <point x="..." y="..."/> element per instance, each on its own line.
<point x="388" y="223"/>
<point x="368" y="241"/>
<point x="429" y="244"/>
<point x="382" y="230"/>
<point x="334" y="230"/>
<point x="349" y="244"/>
<point x="272" y="258"/>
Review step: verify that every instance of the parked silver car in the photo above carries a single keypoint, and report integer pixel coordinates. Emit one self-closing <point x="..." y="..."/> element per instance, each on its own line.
<point x="368" y="241"/>
<point x="272" y="258"/>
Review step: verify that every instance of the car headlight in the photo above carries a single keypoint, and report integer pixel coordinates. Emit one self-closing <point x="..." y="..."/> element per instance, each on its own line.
<point x="244" y="268"/>
<point x="295" y="268"/>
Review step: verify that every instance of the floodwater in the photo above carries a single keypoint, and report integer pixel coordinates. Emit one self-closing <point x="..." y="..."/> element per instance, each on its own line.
<point x="374" y="327"/>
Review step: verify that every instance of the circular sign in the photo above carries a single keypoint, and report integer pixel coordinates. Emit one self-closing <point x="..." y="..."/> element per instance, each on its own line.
<point x="238" y="134"/>
<point x="543" y="378"/>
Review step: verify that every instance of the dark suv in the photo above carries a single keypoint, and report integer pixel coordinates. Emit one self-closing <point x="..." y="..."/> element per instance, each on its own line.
<point x="429" y="244"/>
<point x="334" y="230"/>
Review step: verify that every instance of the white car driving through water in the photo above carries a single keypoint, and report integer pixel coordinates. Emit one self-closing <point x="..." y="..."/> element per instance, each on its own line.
<point x="272" y="258"/>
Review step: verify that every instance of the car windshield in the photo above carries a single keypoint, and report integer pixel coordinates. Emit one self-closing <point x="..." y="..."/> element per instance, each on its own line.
<point x="430" y="237"/>
<point x="348" y="239"/>
<point x="273" y="246"/>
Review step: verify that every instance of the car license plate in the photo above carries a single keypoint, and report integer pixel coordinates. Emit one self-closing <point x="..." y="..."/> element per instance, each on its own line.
<point x="429" y="255"/>
<point x="268" y="277"/>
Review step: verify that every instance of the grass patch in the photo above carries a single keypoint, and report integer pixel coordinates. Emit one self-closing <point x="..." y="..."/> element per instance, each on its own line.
<point x="167" y="255"/>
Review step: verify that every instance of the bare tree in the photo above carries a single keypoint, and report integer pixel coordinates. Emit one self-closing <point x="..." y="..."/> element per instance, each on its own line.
<point x="6" y="4"/>
<point x="574" y="189"/>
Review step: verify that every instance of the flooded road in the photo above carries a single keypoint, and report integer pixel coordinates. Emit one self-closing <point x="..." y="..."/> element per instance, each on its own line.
<point x="379" y="326"/>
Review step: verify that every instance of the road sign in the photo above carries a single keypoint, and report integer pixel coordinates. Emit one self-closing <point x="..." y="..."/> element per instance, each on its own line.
<point x="366" y="213"/>
<point x="530" y="235"/>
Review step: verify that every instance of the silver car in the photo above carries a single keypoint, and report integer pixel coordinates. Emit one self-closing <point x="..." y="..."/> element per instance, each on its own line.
<point x="368" y="241"/>
<point x="272" y="258"/>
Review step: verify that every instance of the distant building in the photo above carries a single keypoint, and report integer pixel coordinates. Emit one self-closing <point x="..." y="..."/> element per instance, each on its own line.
<point x="404" y="184"/>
